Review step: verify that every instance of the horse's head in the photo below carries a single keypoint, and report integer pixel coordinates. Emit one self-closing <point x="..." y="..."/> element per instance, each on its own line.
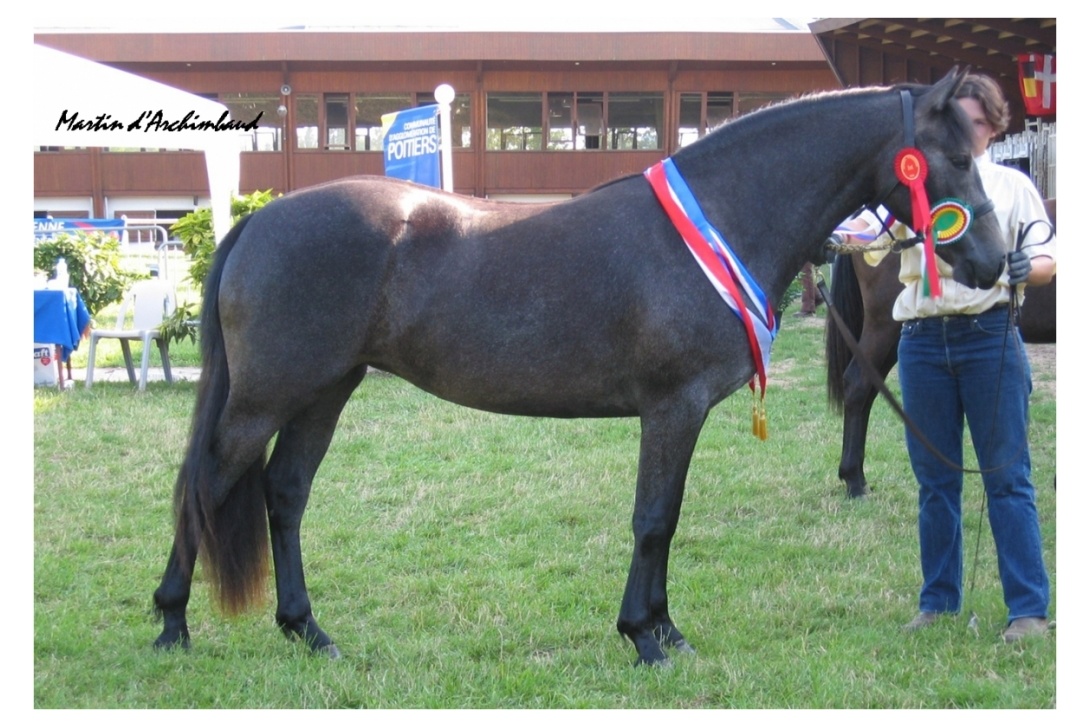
<point x="967" y="235"/>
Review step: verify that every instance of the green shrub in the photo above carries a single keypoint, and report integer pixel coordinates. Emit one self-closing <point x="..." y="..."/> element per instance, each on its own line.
<point x="94" y="265"/>
<point x="199" y="239"/>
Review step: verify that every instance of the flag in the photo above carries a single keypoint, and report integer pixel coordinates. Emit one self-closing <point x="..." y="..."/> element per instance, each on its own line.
<point x="410" y="145"/>
<point x="1037" y="74"/>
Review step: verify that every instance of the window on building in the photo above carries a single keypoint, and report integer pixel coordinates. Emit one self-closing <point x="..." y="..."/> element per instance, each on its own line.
<point x="370" y="107"/>
<point x="461" y="124"/>
<point x="565" y="121"/>
<point x="306" y="121"/>
<point x="245" y="107"/>
<point x="369" y="110"/>
<point x="635" y="121"/>
<point x="748" y="102"/>
<point x="574" y="120"/>
<point x="589" y="120"/>
<point x="701" y="112"/>
<point x="514" y="122"/>
<point x="561" y="120"/>
<point x="336" y="121"/>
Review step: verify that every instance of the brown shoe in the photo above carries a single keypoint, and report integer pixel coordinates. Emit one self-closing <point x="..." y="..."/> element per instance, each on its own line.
<point x="1020" y="628"/>
<point x="923" y="620"/>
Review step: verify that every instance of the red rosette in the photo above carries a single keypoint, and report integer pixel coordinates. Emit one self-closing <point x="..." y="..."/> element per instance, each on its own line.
<point x="910" y="166"/>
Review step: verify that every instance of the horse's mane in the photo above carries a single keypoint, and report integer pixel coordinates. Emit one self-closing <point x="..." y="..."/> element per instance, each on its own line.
<point x="613" y="181"/>
<point x="959" y="124"/>
<point x="802" y="98"/>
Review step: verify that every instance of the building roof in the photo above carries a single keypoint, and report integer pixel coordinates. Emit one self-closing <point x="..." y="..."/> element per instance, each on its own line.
<point x="934" y="45"/>
<point x="414" y="47"/>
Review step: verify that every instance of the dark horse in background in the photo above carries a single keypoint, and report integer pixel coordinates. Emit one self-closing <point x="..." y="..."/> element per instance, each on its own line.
<point x="863" y="295"/>
<point x="591" y="307"/>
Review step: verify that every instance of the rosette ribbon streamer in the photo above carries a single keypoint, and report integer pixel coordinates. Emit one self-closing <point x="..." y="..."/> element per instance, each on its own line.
<point x="911" y="169"/>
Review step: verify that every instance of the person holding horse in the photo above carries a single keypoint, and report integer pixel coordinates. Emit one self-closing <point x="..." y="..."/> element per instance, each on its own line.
<point x="961" y="361"/>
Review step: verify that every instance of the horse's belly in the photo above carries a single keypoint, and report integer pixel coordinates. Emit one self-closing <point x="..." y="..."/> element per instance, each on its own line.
<point x="515" y="376"/>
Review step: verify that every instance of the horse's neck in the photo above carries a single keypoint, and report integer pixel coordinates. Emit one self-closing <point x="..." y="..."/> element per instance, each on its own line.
<point x="786" y="177"/>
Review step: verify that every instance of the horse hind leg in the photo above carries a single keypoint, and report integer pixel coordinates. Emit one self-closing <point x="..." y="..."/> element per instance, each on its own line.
<point x="227" y="471"/>
<point x="667" y="442"/>
<point x="859" y="396"/>
<point x="300" y="447"/>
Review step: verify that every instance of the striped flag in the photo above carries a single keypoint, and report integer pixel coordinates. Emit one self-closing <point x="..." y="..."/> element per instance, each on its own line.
<point x="1037" y="72"/>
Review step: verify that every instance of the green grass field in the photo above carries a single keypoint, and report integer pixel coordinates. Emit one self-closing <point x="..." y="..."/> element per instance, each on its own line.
<point x="467" y="560"/>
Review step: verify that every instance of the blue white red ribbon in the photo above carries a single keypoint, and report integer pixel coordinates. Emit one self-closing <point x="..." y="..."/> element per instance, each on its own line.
<point x="722" y="267"/>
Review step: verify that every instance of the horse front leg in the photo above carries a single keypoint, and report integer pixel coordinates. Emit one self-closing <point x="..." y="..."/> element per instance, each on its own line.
<point x="667" y="442"/>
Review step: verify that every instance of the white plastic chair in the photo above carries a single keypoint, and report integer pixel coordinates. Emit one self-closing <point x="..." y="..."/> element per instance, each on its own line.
<point x="151" y="301"/>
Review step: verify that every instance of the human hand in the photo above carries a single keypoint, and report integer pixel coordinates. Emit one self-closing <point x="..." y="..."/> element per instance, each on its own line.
<point x="1018" y="267"/>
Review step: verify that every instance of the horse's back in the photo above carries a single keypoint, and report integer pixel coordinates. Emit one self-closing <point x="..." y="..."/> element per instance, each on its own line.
<point x="489" y="305"/>
<point x="555" y="311"/>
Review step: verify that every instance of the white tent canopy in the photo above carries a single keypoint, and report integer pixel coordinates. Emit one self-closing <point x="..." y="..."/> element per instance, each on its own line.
<point x="92" y="90"/>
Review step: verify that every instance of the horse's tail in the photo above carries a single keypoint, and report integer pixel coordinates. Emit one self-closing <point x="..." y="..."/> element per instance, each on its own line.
<point x="227" y="521"/>
<point x="847" y="298"/>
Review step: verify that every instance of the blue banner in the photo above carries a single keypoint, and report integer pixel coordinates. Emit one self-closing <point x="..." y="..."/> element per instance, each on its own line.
<point x="410" y="145"/>
<point x="48" y="227"/>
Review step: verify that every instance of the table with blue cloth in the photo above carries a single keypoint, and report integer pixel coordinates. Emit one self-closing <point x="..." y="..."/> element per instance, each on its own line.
<point x="60" y="318"/>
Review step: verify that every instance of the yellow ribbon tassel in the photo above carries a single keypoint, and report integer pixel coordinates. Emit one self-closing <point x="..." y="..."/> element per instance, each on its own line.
<point x="760" y="419"/>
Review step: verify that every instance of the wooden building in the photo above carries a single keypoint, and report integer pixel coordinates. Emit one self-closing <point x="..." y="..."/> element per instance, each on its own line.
<point x="537" y="115"/>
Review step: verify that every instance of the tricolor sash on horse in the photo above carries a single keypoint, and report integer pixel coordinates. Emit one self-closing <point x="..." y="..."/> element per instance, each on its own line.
<point x="726" y="273"/>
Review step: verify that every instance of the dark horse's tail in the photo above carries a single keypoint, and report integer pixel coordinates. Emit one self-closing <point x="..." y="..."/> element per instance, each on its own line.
<point x="227" y="520"/>
<point x="848" y="301"/>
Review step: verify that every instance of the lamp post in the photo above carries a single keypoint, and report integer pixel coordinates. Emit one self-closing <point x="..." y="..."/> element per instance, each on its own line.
<point x="444" y="95"/>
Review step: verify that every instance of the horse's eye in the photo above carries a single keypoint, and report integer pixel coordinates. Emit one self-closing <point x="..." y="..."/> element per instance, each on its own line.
<point x="962" y="162"/>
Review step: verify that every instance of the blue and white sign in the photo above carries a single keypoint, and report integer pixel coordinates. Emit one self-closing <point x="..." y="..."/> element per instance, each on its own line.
<point x="46" y="228"/>
<point x="411" y="145"/>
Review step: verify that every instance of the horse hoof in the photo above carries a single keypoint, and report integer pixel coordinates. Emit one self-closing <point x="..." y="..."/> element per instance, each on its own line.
<point x="682" y="646"/>
<point x="330" y="651"/>
<point x="162" y="644"/>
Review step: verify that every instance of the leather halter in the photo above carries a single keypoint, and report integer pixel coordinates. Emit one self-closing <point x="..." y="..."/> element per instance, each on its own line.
<point x="908" y="120"/>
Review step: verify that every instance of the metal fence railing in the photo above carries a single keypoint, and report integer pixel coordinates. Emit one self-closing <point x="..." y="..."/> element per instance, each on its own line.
<point x="1033" y="150"/>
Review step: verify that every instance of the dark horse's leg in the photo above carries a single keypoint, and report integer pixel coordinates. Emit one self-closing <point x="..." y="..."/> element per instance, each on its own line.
<point x="878" y="337"/>
<point x="300" y="447"/>
<point x="668" y="437"/>
<point x="235" y="460"/>
<point x="172" y="597"/>
<point x="859" y="395"/>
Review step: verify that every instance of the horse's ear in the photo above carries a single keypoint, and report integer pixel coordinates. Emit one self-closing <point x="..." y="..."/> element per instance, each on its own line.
<point x="948" y="85"/>
<point x="939" y="95"/>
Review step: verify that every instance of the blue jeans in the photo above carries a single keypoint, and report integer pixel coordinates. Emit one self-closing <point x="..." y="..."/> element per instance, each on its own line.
<point x="955" y="369"/>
